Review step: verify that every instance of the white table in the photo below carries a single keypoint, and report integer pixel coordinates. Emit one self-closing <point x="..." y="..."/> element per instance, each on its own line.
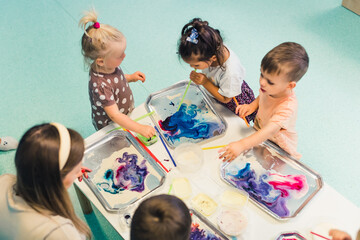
<point x="327" y="206"/>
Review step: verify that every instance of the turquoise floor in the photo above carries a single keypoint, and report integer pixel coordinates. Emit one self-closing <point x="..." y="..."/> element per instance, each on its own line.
<point x="43" y="77"/>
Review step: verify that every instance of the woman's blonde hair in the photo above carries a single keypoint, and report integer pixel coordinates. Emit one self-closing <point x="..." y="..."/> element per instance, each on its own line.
<point x="95" y="40"/>
<point x="39" y="180"/>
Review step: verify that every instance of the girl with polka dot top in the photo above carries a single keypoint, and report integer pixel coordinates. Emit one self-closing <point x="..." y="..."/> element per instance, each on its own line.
<point x="111" y="98"/>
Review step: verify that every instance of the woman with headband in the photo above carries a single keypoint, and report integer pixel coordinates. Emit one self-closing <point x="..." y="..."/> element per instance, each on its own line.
<point x="35" y="203"/>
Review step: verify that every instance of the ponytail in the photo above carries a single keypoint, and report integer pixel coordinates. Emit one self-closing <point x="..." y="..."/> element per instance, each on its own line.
<point x="89" y="17"/>
<point x="96" y="37"/>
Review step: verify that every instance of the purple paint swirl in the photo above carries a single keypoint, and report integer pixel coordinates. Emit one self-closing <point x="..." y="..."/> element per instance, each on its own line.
<point x="270" y="189"/>
<point x="126" y="176"/>
<point x="200" y="234"/>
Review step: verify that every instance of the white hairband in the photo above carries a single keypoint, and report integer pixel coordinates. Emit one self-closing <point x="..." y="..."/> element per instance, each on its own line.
<point x="65" y="141"/>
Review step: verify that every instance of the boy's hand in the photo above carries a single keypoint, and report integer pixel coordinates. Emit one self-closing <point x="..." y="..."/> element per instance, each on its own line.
<point x="231" y="151"/>
<point x="339" y="235"/>
<point x="147" y="131"/>
<point x="244" y="110"/>
<point x="136" y="76"/>
<point x="198" y="78"/>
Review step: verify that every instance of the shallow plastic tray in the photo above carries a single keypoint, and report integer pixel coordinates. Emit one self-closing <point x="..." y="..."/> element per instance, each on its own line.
<point x="206" y="225"/>
<point x="290" y="236"/>
<point x="103" y="149"/>
<point x="271" y="157"/>
<point x="165" y="103"/>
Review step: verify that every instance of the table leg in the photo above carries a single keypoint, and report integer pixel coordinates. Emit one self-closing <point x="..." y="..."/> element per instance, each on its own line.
<point x="84" y="201"/>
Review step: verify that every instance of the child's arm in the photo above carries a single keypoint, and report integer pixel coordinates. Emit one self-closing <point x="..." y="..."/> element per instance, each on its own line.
<point x="124" y="121"/>
<point x="135" y="77"/>
<point x="339" y="235"/>
<point x="201" y="79"/>
<point x="231" y="151"/>
<point x="247" y="109"/>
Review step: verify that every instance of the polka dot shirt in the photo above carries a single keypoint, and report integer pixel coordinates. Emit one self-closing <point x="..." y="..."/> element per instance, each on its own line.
<point x="106" y="90"/>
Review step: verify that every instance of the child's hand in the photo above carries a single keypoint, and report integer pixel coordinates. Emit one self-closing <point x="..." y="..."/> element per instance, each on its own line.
<point x="339" y="235"/>
<point x="244" y="110"/>
<point x="84" y="171"/>
<point x="231" y="151"/>
<point x="136" y="76"/>
<point x="147" y="131"/>
<point x="198" y="78"/>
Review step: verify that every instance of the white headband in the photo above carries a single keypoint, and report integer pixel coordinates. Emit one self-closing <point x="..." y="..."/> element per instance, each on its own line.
<point x="65" y="141"/>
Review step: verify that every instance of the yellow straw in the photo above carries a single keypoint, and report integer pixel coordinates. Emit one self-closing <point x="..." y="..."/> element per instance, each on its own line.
<point x="220" y="146"/>
<point x="237" y="104"/>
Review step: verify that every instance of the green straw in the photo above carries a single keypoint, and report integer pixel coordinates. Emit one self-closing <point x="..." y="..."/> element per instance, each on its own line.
<point x="137" y="119"/>
<point x="144" y="116"/>
<point x="187" y="88"/>
<point x="170" y="189"/>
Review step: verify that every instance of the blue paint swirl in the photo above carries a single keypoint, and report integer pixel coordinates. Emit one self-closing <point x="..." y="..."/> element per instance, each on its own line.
<point x="188" y="123"/>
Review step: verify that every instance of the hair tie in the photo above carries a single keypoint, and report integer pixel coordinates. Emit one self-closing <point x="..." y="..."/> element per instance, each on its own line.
<point x="96" y="25"/>
<point x="193" y="36"/>
<point x="65" y="142"/>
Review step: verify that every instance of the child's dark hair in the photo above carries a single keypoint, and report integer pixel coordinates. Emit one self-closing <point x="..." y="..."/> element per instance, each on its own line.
<point x="161" y="217"/>
<point x="209" y="42"/>
<point x="287" y="54"/>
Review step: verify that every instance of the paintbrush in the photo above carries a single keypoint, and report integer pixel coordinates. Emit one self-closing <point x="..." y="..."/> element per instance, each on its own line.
<point x="163" y="142"/>
<point x="237" y="104"/>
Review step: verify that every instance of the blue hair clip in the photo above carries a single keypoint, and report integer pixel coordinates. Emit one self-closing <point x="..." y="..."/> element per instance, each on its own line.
<point x="193" y="36"/>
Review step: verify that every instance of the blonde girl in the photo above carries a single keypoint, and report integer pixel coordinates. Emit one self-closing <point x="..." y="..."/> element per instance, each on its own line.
<point x="111" y="98"/>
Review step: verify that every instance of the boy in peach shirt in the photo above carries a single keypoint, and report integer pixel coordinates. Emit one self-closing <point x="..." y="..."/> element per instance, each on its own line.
<point x="281" y="69"/>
